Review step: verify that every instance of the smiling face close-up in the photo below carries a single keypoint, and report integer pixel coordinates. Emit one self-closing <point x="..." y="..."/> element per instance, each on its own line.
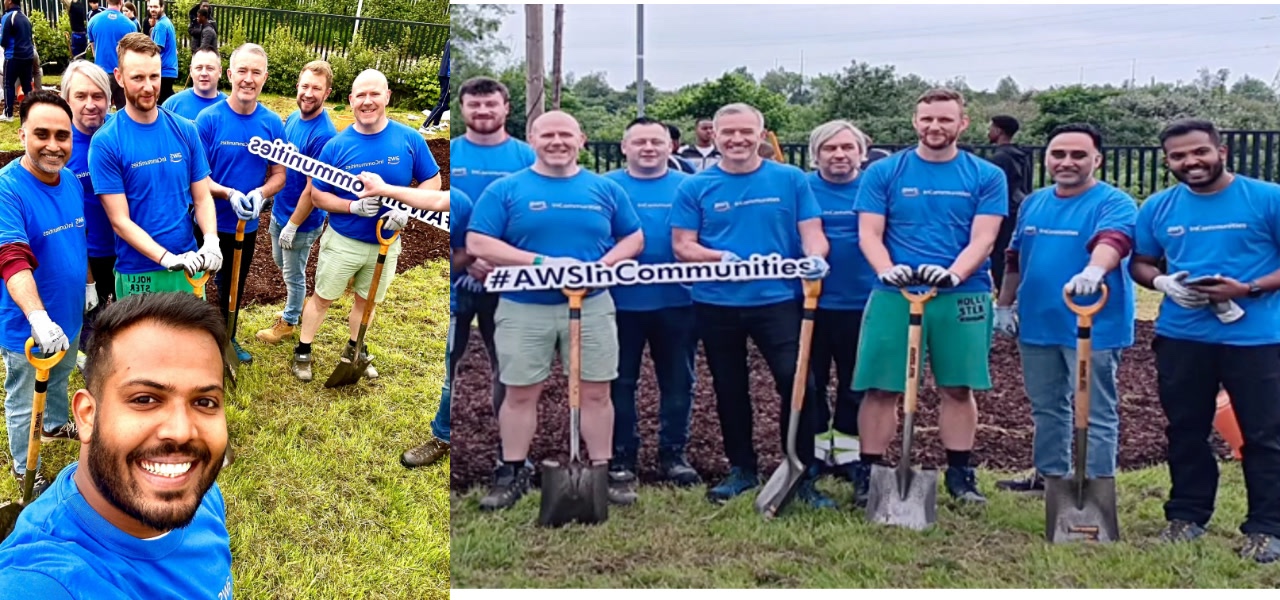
<point x="369" y="99"/>
<point x="206" y="68"/>
<point x="939" y="123"/>
<point x="738" y="135"/>
<point x="88" y="102"/>
<point x="839" y="156"/>
<point x="247" y="74"/>
<point x="647" y="146"/>
<point x="46" y="135"/>
<point x="313" y="90"/>
<point x="1194" y="158"/>
<point x="139" y="75"/>
<point x="1071" y="159"/>
<point x="556" y="139"/>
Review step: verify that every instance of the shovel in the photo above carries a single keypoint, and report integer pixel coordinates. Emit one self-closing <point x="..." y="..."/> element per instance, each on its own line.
<point x="198" y="284"/>
<point x="577" y="492"/>
<point x="1077" y="508"/>
<point x="352" y="367"/>
<point x="781" y="487"/>
<point x="10" y="511"/>
<point x="229" y="358"/>
<point x="902" y="496"/>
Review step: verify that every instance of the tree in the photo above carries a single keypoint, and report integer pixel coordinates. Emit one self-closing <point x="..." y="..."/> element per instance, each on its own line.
<point x="1007" y="89"/>
<point x="705" y="99"/>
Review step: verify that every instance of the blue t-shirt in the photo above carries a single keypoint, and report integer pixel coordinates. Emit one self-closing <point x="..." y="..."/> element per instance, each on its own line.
<point x="309" y="137"/>
<point x="397" y="153"/>
<point x="153" y="165"/>
<point x="472" y="168"/>
<point x="651" y="199"/>
<point x="225" y="136"/>
<point x="848" y="285"/>
<point x="460" y="205"/>
<point x="749" y="213"/>
<point x="97" y="228"/>
<point x="164" y="36"/>
<point x="1235" y="233"/>
<point x="188" y="105"/>
<point x="931" y="207"/>
<point x="1052" y="237"/>
<point x="578" y="217"/>
<point x="49" y="219"/>
<point x="62" y="548"/>
<point x="105" y="31"/>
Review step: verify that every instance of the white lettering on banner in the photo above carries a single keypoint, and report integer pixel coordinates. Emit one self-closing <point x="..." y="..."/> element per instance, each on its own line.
<point x="630" y="272"/>
<point x="281" y="152"/>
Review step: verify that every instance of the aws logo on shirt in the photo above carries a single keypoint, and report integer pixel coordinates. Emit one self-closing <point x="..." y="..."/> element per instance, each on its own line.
<point x="393" y="160"/>
<point x="78" y="223"/>
<point x="176" y="157"/>
<point x="458" y="172"/>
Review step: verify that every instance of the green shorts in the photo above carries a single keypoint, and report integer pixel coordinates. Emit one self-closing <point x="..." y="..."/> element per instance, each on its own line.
<point x="528" y="335"/>
<point x="342" y="258"/>
<point x="152" y="282"/>
<point x="956" y="340"/>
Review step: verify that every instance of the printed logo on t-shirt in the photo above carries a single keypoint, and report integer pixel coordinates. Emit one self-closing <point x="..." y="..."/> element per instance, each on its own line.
<point x="1222" y="227"/>
<point x="754" y="201"/>
<point x="1029" y="230"/>
<point x="910" y="192"/>
<point x="538" y="205"/>
<point x="393" y="160"/>
<point x="79" y="222"/>
<point x="1175" y="231"/>
<point x="653" y="205"/>
<point x="1063" y="232"/>
<point x="720" y="206"/>
<point x="175" y="157"/>
<point x="458" y="172"/>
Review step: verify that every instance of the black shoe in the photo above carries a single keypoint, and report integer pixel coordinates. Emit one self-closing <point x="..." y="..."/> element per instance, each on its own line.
<point x="1181" y="531"/>
<point x="1032" y="484"/>
<point x="509" y="485"/>
<point x="622" y="487"/>
<point x="41" y="484"/>
<point x="860" y="474"/>
<point x="66" y="433"/>
<point x="962" y="484"/>
<point x="1262" y="548"/>
<point x="677" y="471"/>
<point x="739" y="481"/>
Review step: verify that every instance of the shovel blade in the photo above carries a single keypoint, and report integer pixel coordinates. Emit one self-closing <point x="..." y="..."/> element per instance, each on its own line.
<point x="780" y="488"/>
<point x="574" y="493"/>
<point x="887" y="505"/>
<point x="347" y="373"/>
<point x="9" y="514"/>
<point x="229" y="362"/>
<point x="1068" y="520"/>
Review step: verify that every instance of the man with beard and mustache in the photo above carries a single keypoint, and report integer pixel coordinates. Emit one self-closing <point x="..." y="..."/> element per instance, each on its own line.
<point x="165" y="36"/>
<point x="295" y="223"/>
<point x="205" y="70"/>
<point x="1074" y="236"/>
<point x="105" y="33"/>
<point x="138" y="515"/>
<point x="739" y="207"/>
<point x="929" y="216"/>
<point x="149" y="170"/>
<point x="243" y="179"/>
<point x="43" y="261"/>
<point x="1226" y="226"/>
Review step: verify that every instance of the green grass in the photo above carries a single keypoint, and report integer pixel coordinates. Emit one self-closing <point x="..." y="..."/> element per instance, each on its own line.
<point x="318" y="505"/>
<point x="676" y="539"/>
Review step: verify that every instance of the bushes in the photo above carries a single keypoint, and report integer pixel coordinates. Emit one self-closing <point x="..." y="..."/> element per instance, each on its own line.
<point x="50" y="43"/>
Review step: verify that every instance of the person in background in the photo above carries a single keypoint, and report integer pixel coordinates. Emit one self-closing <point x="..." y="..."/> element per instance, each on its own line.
<point x="674" y="162"/>
<point x="703" y="154"/>
<point x="1016" y="164"/>
<point x="19" y="53"/>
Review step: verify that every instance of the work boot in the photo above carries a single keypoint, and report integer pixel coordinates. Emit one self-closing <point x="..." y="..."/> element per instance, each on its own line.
<point x="808" y="492"/>
<point x="426" y="454"/>
<point x="1032" y="484"/>
<point x="962" y="484"/>
<point x="1262" y="548"/>
<point x="622" y="486"/>
<point x="66" y="433"/>
<point x="509" y="485"/>
<point x="241" y="353"/>
<point x="41" y="484"/>
<point x="1181" y="531"/>
<point x="278" y="331"/>
<point x="739" y="480"/>
<point x="861" y="475"/>
<point x="677" y="470"/>
<point x="302" y="366"/>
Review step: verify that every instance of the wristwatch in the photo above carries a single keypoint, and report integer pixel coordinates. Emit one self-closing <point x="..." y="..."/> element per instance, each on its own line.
<point x="1255" y="290"/>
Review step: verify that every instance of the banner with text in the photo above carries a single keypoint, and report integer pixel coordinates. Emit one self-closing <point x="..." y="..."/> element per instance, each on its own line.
<point x="630" y="272"/>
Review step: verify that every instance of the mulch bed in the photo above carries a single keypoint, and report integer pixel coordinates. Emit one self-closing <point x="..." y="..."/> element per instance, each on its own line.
<point x="1003" y="439"/>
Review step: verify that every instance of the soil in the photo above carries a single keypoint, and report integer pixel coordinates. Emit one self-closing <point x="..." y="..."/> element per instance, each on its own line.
<point x="1003" y="439"/>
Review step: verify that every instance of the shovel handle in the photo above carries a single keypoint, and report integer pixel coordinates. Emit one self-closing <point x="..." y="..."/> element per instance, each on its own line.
<point x="198" y="283"/>
<point x="915" y="335"/>
<point x="575" y="296"/>
<point x="43" y="366"/>
<point x="812" y="290"/>
<point x="1084" y="353"/>
<point x="1086" y="310"/>
<point x="385" y="242"/>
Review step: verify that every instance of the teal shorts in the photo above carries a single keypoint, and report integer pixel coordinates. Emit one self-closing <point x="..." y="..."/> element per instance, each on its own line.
<point x="956" y="341"/>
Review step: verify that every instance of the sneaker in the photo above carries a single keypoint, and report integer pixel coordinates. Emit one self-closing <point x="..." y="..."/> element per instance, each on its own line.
<point x="241" y="353"/>
<point x="808" y="492"/>
<point x="67" y="433"/>
<point x="962" y="484"/>
<point x="509" y="485"/>
<point x="677" y="471"/>
<point x="1032" y="484"/>
<point x="861" y="476"/>
<point x="1262" y="548"/>
<point x="846" y="472"/>
<point x="426" y="454"/>
<point x="622" y="487"/>
<point x="272" y="335"/>
<point x="739" y="480"/>
<point x="81" y="358"/>
<point x="1181" y="531"/>
<point x="369" y="371"/>
<point x="6" y="119"/>
<point x="302" y="366"/>
<point x="41" y="484"/>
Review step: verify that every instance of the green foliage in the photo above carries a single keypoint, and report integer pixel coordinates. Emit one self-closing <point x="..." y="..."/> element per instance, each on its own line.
<point x="419" y="87"/>
<point x="359" y="56"/>
<point x="50" y="44"/>
<point x="286" y="55"/>
<point x="703" y="100"/>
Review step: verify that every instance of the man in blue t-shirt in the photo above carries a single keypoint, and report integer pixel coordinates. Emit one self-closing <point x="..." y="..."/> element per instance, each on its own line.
<point x="139" y="514"/>
<point x="205" y="70"/>
<point x="165" y="36"/>
<point x="1074" y="236"/>
<point x="739" y="207"/>
<point x="295" y="223"/>
<point x="553" y="213"/>
<point x="484" y="154"/>
<point x="19" y="53"/>
<point x="151" y="174"/>
<point x="105" y="31"/>
<point x="240" y="181"/>
<point x="44" y="268"/>
<point x="657" y="315"/>
<point x="390" y="156"/>
<point x="929" y="215"/>
<point x="1215" y="224"/>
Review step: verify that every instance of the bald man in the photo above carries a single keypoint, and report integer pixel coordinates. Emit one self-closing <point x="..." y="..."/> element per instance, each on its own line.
<point x="553" y="212"/>
<point x="374" y="146"/>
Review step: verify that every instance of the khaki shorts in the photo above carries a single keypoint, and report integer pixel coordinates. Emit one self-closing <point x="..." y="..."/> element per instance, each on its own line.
<point x="528" y="335"/>
<point x="342" y="258"/>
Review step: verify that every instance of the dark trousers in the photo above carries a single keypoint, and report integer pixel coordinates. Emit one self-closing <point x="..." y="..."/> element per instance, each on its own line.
<point x="441" y="106"/>
<point x="470" y="307"/>
<point x="166" y="88"/>
<point x="672" y="343"/>
<point x="104" y="282"/>
<point x="117" y="94"/>
<point x="16" y="70"/>
<point x="226" y="242"/>
<point x="835" y="339"/>
<point x="1189" y="375"/>
<point x="775" y="329"/>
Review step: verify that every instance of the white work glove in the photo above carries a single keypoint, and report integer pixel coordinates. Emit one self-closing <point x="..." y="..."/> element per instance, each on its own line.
<point x="397" y="219"/>
<point x="1171" y="286"/>
<point x="819" y="270"/>
<point x="90" y="297"/>
<point x="1086" y="282"/>
<point x="729" y="257"/>
<point x="897" y="276"/>
<point x="256" y="201"/>
<point x="187" y="261"/>
<point x="470" y="284"/>
<point x="1228" y="312"/>
<point x="48" y="336"/>
<point x="242" y="206"/>
<point x="934" y="275"/>
<point x="286" y="235"/>
<point x="210" y="255"/>
<point x="1007" y="321"/>
<point x="366" y="207"/>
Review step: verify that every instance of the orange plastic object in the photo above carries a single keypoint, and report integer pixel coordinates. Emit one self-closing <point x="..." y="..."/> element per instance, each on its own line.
<point x="1227" y="426"/>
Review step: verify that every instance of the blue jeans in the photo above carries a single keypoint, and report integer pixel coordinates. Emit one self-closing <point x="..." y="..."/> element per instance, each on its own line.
<point x="440" y="425"/>
<point x="1048" y="373"/>
<point x="293" y="264"/>
<point x="672" y="343"/>
<point x="20" y="390"/>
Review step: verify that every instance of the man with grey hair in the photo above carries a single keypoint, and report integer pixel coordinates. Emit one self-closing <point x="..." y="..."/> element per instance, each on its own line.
<point x="240" y="180"/>
<point x="739" y="207"/>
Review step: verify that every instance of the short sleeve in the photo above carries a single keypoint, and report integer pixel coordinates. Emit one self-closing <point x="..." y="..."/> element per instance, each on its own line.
<point x="459" y="218"/>
<point x="108" y="176"/>
<point x="993" y="193"/>
<point x="490" y="214"/>
<point x="1144" y="238"/>
<point x="625" y="219"/>
<point x="424" y="164"/>
<point x="13" y="228"/>
<point x="199" y="158"/>
<point x="17" y="583"/>
<point x="806" y="201"/>
<point x="1118" y="213"/>
<point x="873" y="194"/>
<point x="686" y="210"/>
<point x="1015" y="241"/>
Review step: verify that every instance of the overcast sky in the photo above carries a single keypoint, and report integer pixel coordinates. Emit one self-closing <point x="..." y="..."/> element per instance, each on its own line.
<point x="1039" y="46"/>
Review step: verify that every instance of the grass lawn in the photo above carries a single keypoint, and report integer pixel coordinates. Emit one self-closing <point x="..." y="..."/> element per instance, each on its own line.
<point x="318" y="504"/>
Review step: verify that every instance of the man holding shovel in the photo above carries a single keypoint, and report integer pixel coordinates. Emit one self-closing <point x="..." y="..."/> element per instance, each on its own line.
<point x="44" y="264"/>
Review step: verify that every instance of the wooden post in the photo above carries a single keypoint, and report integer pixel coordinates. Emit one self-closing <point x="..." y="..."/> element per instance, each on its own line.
<point x="557" y="54"/>
<point x="535" y="69"/>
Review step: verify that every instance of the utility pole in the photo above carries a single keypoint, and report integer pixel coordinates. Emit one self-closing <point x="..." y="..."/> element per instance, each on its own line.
<point x="535" y="68"/>
<point x="557" y="53"/>
<point x="639" y="60"/>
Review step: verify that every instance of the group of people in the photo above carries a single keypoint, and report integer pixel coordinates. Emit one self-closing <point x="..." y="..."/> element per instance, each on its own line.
<point x="929" y="216"/>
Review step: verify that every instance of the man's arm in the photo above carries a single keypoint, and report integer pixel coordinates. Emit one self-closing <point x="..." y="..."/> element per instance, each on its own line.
<point x="22" y="286"/>
<point x="426" y="196"/>
<point x="1144" y="269"/>
<point x="871" y="241"/>
<point x="982" y="239"/>
<point x="274" y="182"/>
<point x="684" y="242"/>
<point x="303" y="209"/>
<point x="497" y="251"/>
<point x="117" y="209"/>
<point x="813" y="239"/>
<point x="329" y="201"/>
<point x="206" y="214"/>
<point x="629" y="246"/>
